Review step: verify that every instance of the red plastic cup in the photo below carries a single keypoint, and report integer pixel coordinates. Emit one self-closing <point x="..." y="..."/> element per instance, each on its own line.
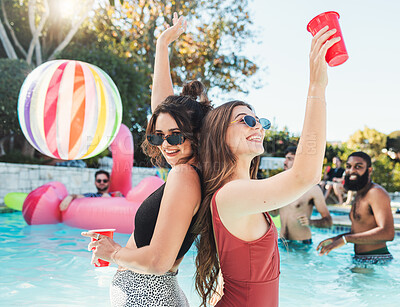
<point x="108" y="233"/>
<point x="337" y="54"/>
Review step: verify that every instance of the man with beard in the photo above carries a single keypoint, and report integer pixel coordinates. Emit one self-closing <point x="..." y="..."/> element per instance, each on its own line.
<point x="371" y="215"/>
<point x="295" y="217"/>
<point x="102" y="183"/>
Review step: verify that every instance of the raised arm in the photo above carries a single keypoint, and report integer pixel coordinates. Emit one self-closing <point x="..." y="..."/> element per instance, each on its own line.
<point x="162" y="82"/>
<point x="253" y="196"/>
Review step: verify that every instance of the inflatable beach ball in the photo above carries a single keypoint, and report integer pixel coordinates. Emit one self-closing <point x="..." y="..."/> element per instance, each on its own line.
<point x="69" y="109"/>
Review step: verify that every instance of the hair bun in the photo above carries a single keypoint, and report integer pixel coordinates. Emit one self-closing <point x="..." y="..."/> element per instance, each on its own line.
<point x="195" y="89"/>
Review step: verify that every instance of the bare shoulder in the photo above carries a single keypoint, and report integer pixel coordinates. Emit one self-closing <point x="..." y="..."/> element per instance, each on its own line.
<point x="184" y="173"/>
<point x="184" y="181"/>
<point x="377" y="192"/>
<point x="315" y="191"/>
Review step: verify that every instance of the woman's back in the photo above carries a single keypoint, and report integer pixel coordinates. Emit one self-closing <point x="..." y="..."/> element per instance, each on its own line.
<point x="250" y="269"/>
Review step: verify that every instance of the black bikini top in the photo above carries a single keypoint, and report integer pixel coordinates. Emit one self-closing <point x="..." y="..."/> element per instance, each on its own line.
<point x="146" y="218"/>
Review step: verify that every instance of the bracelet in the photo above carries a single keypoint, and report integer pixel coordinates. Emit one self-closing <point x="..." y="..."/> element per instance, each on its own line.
<point x="315" y="97"/>
<point x="344" y="239"/>
<point x="114" y="253"/>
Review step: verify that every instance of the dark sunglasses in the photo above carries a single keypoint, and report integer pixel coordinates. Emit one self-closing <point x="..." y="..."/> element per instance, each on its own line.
<point x="101" y="180"/>
<point x="252" y="121"/>
<point x="173" y="139"/>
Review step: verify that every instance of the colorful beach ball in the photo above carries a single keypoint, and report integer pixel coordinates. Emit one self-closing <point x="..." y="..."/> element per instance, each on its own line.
<point x="69" y="109"/>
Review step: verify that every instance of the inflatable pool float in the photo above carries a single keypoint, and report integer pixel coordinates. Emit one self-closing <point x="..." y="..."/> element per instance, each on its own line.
<point x="41" y="206"/>
<point x="110" y="212"/>
<point x="15" y="200"/>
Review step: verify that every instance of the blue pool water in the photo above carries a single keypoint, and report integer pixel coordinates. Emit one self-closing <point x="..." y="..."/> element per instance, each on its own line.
<point x="49" y="265"/>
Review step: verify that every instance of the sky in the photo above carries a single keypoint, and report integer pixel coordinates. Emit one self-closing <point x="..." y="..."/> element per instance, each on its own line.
<point x="364" y="91"/>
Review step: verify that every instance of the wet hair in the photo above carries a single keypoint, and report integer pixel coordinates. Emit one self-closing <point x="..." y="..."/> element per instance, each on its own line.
<point x="102" y="172"/>
<point x="218" y="164"/>
<point x="188" y="112"/>
<point x="363" y="156"/>
<point x="291" y="149"/>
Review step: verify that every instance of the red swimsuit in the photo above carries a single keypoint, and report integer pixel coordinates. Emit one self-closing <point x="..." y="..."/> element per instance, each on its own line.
<point x="250" y="269"/>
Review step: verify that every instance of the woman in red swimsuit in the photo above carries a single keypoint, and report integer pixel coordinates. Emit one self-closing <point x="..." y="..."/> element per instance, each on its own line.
<point x="237" y="234"/>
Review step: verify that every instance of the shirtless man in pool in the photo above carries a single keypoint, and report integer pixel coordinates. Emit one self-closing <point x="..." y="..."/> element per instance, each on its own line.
<point x="295" y="217"/>
<point x="371" y="215"/>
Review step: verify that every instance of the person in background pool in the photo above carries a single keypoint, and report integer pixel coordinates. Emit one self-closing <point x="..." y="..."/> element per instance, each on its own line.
<point x="237" y="235"/>
<point x="332" y="178"/>
<point x="295" y="217"/>
<point x="371" y="215"/>
<point x="102" y="183"/>
<point x="148" y="265"/>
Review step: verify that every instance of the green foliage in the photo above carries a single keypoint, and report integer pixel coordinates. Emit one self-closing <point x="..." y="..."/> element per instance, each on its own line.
<point x="210" y="50"/>
<point x="368" y="140"/>
<point x="13" y="74"/>
<point x="393" y="141"/>
<point x="277" y="141"/>
<point x="386" y="173"/>
<point x="94" y="161"/>
<point x="17" y="156"/>
<point x="121" y="40"/>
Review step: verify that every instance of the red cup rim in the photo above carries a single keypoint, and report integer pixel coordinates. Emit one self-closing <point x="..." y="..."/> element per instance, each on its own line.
<point x="101" y="230"/>
<point x="308" y="25"/>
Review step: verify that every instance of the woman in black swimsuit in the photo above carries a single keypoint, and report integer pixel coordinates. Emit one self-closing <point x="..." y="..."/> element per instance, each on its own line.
<point x="148" y="265"/>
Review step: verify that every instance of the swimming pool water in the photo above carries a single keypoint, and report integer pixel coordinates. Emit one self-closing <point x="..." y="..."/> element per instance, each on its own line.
<point x="49" y="265"/>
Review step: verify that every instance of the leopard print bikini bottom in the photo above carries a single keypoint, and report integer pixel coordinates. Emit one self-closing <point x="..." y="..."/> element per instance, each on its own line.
<point x="133" y="289"/>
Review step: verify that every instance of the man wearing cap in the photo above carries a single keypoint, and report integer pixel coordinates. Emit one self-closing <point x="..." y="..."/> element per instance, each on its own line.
<point x="371" y="215"/>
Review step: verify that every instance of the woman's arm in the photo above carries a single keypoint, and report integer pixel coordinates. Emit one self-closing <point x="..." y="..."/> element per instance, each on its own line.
<point x="162" y="82"/>
<point x="181" y="199"/>
<point x="243" y="197"/>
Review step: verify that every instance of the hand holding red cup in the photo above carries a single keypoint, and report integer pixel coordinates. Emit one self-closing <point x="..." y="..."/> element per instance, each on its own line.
<point x="102" y="246"/>
<point x="337" y="54"/>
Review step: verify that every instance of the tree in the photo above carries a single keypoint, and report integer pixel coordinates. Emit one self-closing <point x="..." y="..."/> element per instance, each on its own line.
<point x="386" y="173"/>
<point x="368" y="140"/>
<point x="32" y="30"/>
<point x="130" y="32"/>
<point x="393" y="141"/>
<point x="51" y="24"/>
<point x="13" y="74"/>
<point x="210" y="50"/>
<point x="277" y="141"/>
<point x="336" y="150"/>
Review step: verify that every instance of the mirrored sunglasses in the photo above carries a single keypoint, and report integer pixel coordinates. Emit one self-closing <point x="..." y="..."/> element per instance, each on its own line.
<point x="252" y="121"/>
<point x="173" y="139"/>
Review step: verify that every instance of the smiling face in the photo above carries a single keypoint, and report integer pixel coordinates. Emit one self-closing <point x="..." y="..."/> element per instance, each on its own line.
<point x="242" y="139"/>
<point x="357" y="173"/>
<point x="165" y="126"/>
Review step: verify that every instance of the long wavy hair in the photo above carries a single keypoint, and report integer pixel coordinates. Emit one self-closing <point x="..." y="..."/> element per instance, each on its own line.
<point x="218" y="164"/>
<point x="188" y="112"/>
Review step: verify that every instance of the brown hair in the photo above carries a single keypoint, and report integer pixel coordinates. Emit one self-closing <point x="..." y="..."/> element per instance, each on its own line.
<point x="217" y="164"/>
<point x="188" y="114"/>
